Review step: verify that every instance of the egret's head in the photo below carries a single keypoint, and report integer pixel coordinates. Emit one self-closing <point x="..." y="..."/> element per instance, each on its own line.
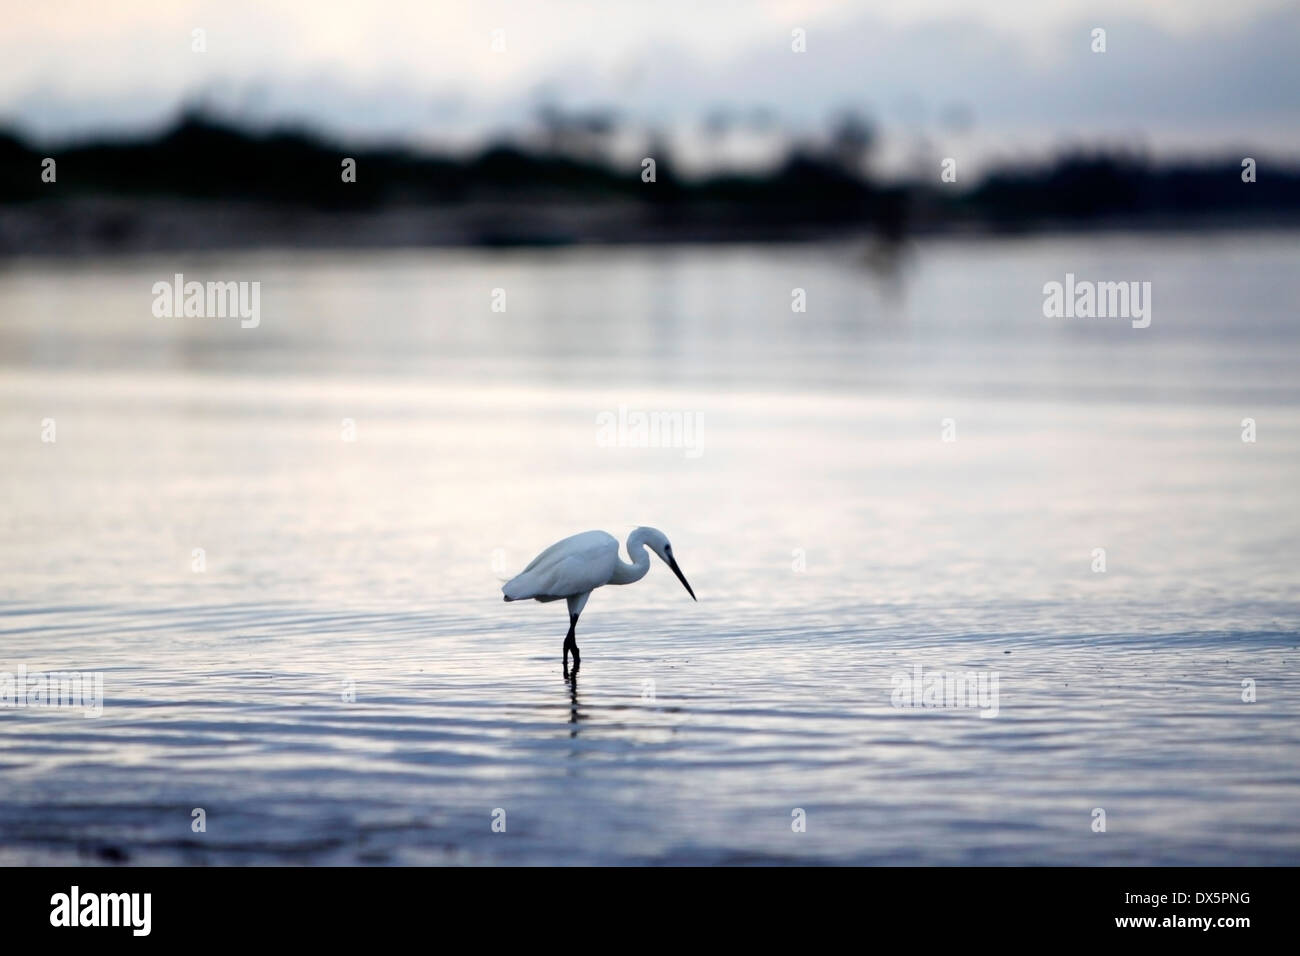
<point x="658" y="542"/>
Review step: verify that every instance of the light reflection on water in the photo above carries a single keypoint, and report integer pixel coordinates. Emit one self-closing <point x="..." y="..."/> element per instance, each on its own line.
<point x="372" y="561"/>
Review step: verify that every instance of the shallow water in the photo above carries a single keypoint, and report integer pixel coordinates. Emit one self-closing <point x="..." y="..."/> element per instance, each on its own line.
<point x="834" y="539"/>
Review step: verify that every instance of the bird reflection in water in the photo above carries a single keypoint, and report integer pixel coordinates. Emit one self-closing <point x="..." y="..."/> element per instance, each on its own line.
<point x="575" y="714"/>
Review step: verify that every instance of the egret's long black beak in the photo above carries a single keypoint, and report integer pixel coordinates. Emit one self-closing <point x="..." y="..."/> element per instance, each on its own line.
<point x="672" y="563"/>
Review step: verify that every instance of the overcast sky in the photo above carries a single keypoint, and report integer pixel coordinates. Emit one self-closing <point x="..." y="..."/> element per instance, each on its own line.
<point x="1178" y="74"/>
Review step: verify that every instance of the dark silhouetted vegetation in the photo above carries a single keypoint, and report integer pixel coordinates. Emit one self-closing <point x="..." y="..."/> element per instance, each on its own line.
<point x="208" y="184"/>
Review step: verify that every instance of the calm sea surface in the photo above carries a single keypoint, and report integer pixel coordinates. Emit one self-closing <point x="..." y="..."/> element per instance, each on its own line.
<point x="303" y="635"/>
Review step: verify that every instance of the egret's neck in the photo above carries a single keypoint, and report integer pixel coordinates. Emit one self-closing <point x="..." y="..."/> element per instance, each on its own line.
<point x="625" y="573"/>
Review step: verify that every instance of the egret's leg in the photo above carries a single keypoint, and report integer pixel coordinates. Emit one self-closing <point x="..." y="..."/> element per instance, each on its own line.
<point x="570" y="645"/>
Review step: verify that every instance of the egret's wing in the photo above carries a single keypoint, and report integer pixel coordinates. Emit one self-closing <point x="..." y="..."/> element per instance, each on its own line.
<point x="573" y="575"/>
<point x="572" y="566"/>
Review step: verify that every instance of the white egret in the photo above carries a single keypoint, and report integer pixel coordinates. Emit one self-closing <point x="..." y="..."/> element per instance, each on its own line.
<point x="573" y="568"/>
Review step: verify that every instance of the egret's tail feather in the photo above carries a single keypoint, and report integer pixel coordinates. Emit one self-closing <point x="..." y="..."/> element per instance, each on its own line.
<point x="515" y="590"/>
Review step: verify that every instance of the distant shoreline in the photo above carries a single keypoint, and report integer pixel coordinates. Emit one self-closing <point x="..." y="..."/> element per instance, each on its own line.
<point x="202" y="185"/>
